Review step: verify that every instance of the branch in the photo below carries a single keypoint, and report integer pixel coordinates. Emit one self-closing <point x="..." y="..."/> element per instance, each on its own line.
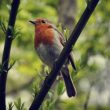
<point x="6" y="53"/>
<point x="63" y="56"/>
<point x="88" y="97"/>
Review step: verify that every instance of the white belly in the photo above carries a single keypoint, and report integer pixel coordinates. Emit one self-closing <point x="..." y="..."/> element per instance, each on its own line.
<point x="48" y="54"/>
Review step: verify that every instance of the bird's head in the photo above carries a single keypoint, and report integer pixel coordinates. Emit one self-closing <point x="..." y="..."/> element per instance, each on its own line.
<point x="40" y="21"/>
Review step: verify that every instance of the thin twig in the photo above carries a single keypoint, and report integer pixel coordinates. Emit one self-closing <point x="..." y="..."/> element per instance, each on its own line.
<point x="63" y="56"/>
<point x="89" y="93"/>
<point x="6" y="53"/>
<point x="11" y="65"/>
<point x="87" y="98"/>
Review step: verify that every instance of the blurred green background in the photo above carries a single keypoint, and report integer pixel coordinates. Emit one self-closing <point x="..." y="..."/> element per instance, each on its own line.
<point x="91" y="54"/>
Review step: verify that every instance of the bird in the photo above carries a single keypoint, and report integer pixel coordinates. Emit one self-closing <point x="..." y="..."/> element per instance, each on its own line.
<point x="48" y="43"/>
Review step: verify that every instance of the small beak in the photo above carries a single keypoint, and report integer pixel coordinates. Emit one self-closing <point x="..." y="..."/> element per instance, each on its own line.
<point x="33" y="22"/>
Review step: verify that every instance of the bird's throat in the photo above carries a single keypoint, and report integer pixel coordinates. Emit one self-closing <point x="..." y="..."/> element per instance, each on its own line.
<point x="43" y="35"/>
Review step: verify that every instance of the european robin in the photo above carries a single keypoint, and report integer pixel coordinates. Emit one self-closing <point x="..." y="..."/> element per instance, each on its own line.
<point x="49" y="42"/>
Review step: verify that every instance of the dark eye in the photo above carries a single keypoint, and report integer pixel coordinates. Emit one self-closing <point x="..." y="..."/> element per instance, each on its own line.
<point x="43" y="21"/>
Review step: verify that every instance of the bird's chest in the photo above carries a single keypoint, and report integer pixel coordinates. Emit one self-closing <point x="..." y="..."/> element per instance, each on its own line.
<point x="48" y="53"/>
<point x="43" y="36"/>
<point x="48" y="46"/>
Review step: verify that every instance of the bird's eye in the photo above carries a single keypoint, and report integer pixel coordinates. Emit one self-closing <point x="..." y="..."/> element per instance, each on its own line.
<point x="43" y="21"/>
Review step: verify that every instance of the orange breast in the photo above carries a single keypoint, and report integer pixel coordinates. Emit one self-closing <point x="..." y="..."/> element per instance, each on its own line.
<point x="43" y="34"/>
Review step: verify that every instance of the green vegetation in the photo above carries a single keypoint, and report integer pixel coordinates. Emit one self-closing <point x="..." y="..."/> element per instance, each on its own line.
<point x="91" y="54"/>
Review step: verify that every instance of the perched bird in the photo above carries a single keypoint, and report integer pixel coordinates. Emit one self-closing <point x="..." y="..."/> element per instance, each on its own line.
<point x="49" y="43"/>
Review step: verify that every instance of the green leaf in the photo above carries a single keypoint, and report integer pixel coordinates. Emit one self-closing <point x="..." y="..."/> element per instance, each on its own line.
<point x="35" y="89"/>
<point x="10" y="106"/>
<point x="60" y="88"/>
<point x="19" y="105"/>
<point x="88" y="1"/>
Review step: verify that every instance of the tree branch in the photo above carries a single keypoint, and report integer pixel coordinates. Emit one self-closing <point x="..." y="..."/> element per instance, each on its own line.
<point x="6" y="53"/>
<point x="63" y="56"/>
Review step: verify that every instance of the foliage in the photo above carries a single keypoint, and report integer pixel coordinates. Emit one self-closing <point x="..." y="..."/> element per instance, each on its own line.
<point x="18" y="104"/>
<point x="10" y="106"/>
<point x="91" y="53"/>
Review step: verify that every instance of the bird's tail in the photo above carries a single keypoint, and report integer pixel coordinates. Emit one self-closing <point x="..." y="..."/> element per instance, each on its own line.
<point x="71" y="90"/>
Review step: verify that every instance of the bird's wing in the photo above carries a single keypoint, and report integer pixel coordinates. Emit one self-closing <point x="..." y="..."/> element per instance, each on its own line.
<point x="63" y="41"/>
<point x="61" y="37"/>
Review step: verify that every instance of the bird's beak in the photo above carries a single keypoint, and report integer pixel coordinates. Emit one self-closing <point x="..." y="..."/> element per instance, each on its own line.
<point x="33" y="22"/>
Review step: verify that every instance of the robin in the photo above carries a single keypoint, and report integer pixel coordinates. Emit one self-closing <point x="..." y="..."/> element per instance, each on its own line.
<point x="49" y="42"/>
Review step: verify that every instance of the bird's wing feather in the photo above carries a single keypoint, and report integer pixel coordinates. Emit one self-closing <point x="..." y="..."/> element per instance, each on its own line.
<point x="63" y="41"/>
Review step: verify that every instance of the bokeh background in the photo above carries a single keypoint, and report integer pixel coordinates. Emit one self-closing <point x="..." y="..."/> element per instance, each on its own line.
<point x="91" y="54"/>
